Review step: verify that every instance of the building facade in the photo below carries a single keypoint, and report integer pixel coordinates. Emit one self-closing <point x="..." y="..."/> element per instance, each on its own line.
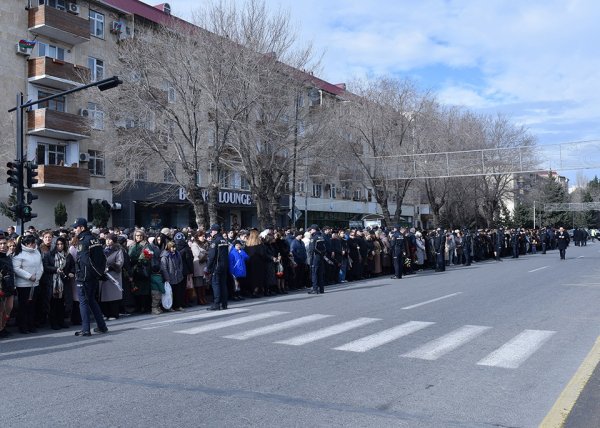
<point x="74" y="42"/>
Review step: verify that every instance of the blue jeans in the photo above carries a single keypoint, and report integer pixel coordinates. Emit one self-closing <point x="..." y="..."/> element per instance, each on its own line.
<point x="87" y="302"/>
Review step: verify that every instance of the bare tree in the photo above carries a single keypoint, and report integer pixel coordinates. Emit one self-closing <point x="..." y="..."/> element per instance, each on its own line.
<point x="378" y="123"/>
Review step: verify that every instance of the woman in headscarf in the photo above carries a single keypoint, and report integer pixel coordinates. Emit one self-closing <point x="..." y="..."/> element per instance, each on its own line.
<point x="141" y="254"/>
<point x="59" y="267"/>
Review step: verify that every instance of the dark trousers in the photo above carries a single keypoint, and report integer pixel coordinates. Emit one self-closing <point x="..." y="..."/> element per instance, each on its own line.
<point x="87" y="303"/>
<point x="178" y="294"/>
<point x="318" y="276"/>
<point x="301" y="276"/>
<point x="26" y="313"/>
<point x="467" y="254"/>
<point x="398" y="265"/>
<point x="441" y="263"/>
<point x="111" y="309"/>
<point x="57" y="312"/>
<point x="562" y="253"/>
<point x="219" y="288"/>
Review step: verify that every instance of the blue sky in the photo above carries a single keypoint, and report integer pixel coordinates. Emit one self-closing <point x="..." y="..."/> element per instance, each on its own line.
<point x="536" y="61"/>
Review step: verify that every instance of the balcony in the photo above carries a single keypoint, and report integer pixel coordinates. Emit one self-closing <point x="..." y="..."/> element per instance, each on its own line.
<point x="59" y="25"/>
<point x="55" y="73"/>
<point x="56" y="124"/>
<point x="57" y="177"/>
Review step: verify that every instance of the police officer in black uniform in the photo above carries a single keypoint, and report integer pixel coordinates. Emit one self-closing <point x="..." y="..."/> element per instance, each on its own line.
<point x="467" y="246"/>
<point x="515" y="236"/>
<point x="398" y="244"/>
<point x="562" y="239"/>
<point x="317" y="251"/>
<point x="439" y="245"/>
<point x="216" y="266"/>
<point x="89" y="269"/>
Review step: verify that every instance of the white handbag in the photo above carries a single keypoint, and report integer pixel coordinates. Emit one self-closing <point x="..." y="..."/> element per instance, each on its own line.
<point x="167" y="297"/>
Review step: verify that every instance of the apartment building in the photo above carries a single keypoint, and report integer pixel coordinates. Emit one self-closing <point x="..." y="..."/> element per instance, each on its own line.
<point x="76" y="42"/>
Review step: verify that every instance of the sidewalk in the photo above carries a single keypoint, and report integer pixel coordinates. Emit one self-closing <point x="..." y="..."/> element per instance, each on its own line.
<point x="586" y="411"/>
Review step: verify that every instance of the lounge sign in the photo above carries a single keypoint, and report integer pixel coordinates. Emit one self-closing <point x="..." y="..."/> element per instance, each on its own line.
<point x="225" y="197"/>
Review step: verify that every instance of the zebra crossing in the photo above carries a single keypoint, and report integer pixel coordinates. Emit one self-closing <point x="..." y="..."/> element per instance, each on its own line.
<point x="509" y="355"/>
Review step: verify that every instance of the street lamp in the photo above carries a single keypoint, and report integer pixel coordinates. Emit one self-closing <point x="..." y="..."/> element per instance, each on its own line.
<point x="102" y="85"/>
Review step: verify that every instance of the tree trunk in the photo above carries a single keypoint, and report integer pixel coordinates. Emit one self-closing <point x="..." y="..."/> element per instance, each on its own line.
<point x="213" y="197"/>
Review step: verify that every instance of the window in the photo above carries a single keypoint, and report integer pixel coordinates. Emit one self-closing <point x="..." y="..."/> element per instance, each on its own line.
<point x="57" y="104"/>
<point x="332" y="191"/>
<point x="300" y="186"/>
<point x="141" y="174"/>
<point x="314" y="97"/>
<point x="357" y="195"/>
<point x="50" y="154"/>
<point x="224" y="178"/>
<point x="171" y="93"/>
<point x="96" y="67"/>
<point x="317" y="190"/>
<point x="169" y="172"/>
<point x="96" y="116"/>
<point x="245" y="185"/>
<point x="51" y="51"/>
<point x="57" y="4"/>
<point x="300" y="128"/>
<point x="96" y="24"/>
<point x="96" y="163"/>
<point x="300" y="101"/>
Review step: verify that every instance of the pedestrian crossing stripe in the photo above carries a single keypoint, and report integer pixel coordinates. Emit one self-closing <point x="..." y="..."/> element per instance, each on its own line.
<point x="323" y="333"/>
<point x="229" y="323"/>
<point x="449" y="342"/>
<point x="514" y="352"/>
<point x="277" y="327"/>
<point x="510" y="355"/>
<point x="386" y="336"/>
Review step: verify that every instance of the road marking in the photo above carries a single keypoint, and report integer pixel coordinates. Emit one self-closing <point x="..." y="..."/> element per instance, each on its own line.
<point x="514" y="352"/>
<point x="535" y="270"/>
<point x="327" y="332"/>
<point x="449" y="342"/>
<point x="261" y="331"/>
<point x="214" y="314"/>
<point x="229" y="323"/>
<point x="431" y="301"/>
<point x="566" y="400"/>
<point x="580" y="257"/>
<point x="373" y="341"/>
<point x="584" y="285"/>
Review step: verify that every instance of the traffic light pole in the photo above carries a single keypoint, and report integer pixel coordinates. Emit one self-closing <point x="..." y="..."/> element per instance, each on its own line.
<point x="19" y="159"/>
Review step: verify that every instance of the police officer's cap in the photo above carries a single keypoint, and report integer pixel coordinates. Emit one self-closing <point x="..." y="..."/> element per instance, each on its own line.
<point x="215" y="227"/>
<point x="314" y="226"/>
<point x="80" y="222"/>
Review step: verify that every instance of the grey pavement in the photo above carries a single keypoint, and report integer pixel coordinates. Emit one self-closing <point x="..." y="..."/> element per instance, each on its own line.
<point x="493" y="344"/>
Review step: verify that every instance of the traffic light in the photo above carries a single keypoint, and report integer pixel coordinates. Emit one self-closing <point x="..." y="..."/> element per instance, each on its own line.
<point x="30" y="197"/>
<point x="32" y="174"/>
<point x="26" y="214"/>
<point x="15" y="174"/>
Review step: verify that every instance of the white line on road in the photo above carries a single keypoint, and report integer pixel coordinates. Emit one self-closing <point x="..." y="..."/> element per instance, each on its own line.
<point x="431" y="301"/>
<point x="261" y="331"/>
<point x="580" y="257"/>
<point x="514" y="352"/>
<point x="214" y="314"/>
<point x="373" y="341"/>
<point x="583" y="285"/>
<point x="327" y="332"/>
<point x="441" y="346"/>
<point x="229" y="323"/>
<point x="535" y="270"/>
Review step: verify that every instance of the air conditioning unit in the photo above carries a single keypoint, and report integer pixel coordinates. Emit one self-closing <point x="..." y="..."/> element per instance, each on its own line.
<point x="115" y="27"/>
<point x="84" y="157"/>
<point x="73" y="8"/>
<point x="23" y="50"/>
<point x="84" y="112"/>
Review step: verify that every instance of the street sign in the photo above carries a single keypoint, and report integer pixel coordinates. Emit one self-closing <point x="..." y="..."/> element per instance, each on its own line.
<point x="295" y="214"/>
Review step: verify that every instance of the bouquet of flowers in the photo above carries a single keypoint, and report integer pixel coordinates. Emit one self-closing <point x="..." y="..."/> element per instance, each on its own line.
<point x="146" y="254"/>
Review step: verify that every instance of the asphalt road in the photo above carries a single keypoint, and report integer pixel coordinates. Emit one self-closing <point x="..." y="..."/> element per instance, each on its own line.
<point x="493" y="344"/>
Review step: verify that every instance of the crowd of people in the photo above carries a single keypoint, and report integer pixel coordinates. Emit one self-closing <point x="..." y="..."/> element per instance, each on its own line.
<point x="41" y="270"/>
